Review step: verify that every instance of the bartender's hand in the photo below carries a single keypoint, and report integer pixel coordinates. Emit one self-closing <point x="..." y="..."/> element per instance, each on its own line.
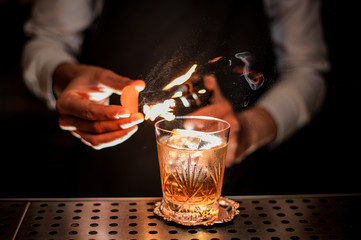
<point x="83" y="93"/>
<point x="250" y="129"/>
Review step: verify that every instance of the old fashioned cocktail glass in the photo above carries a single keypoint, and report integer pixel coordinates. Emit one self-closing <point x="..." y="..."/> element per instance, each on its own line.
<point x="191" y="153"/>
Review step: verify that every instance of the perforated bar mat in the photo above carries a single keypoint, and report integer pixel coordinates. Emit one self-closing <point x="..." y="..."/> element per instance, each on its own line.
<point x="269" y="217"/>
<point x="11" y="214"/>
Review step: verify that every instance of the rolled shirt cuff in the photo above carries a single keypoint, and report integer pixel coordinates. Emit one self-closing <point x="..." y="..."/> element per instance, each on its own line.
<point x="41" y="58"/>
<point x="293" y="102"/>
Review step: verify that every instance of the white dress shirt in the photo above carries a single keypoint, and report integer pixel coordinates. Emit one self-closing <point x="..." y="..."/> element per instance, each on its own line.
<point x="56" y="29"/>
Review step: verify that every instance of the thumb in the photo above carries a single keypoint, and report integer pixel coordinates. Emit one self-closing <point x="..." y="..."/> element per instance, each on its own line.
<point x="116" y="83"/>
<point x="138" y="84"/>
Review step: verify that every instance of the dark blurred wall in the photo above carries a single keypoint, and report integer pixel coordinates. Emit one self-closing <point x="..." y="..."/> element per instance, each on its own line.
<point x="38" y="159"/>
<point x="35" y="155"/>
<point x="323" y="157"/>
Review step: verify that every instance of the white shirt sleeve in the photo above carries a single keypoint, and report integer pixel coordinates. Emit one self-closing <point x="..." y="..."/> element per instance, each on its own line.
<point x="56" y="29"/>
<point x="301" y="54"/>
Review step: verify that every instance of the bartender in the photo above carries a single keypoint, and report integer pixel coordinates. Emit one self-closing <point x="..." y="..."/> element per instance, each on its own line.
<point x="81" y="53"/>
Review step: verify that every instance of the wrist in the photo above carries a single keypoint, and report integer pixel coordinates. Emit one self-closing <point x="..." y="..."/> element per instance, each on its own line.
<point x="257" y="128"/>
<point x="62" y="76"/>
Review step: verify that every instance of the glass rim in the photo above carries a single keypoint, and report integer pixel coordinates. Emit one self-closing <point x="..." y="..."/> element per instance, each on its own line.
<point x="228" y="126"/>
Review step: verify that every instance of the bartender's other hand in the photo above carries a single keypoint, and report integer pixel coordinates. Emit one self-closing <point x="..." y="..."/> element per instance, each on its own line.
<point x="221" y="108"/>
<point x="250" y="130"/>
<point x="83" y="93"/>
<point x="257" y="129"/>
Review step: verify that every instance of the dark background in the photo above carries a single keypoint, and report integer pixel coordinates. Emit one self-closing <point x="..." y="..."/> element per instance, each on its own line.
<point x="38" y="159"/>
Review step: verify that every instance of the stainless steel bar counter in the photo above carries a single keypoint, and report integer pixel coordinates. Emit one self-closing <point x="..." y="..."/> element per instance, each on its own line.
<point x="330" y="216"/>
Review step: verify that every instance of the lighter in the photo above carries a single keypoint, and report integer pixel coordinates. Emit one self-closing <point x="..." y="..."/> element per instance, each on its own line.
<point x="236" y="76"/>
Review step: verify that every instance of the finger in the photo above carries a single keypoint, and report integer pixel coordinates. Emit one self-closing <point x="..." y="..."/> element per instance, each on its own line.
<point x="139" y="85"/>
<point x="231" y="150"/>
<point x="135" y="119"/>
<point x="233" y="122"/>
<point x="113" y="81"/>
<point x="210" y="83"/>
<point x="81" y="107"/>
<point x="117" y="83"/>
<point x="71" y="123"/>
<point x="109" y="139"/>
<point x="75" y="134"/>
<point x="217" y="110"/>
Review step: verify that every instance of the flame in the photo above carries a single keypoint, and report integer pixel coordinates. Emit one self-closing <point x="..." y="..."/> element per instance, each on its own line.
<point x="164" y="109"/>
<point x="202" y="91"/>
<point x="161" y="109"/>
<point x="177" y="94"/>
<point x="215" y="59"/>
<point x="181" y="79"/>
